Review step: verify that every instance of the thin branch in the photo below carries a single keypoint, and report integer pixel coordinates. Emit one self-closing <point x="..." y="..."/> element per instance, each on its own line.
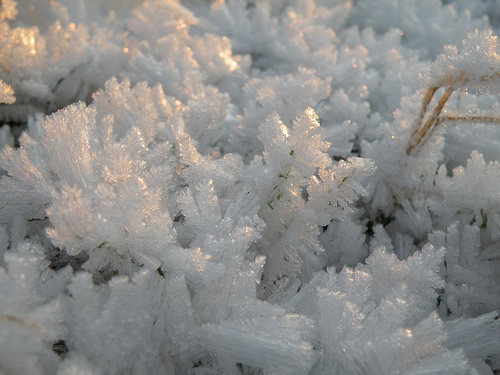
<point x="423" y="130"/>
<point x="478" y="119"/>
<point x="23" y="322"/>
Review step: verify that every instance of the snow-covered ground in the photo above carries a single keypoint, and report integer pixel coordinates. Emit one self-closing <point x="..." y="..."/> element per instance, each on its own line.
<point x="249" y="187"/>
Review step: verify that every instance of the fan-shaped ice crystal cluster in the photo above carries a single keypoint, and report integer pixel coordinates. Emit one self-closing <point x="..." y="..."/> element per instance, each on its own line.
<point x="249" y="187"/>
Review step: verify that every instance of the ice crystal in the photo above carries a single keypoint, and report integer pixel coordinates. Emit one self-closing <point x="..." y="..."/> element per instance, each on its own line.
<point x="31" y="316"/>
<point x="55" y="66"/>
<point x="475" y="67"/>
<point x="7" y="94"/>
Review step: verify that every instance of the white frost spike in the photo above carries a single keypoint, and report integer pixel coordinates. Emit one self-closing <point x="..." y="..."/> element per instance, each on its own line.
<point x="477" y="199"/>
<point x="224" y="172"/>
<point x="183" y="334"/>
<point x="224" y="237"/>
<point x="285" y="95"/>
<point x="470" y="276"/>
<point x="30" y="318"/>
<point x="273" y="344"/>
<point x="201" y="209"/>
<point x="418" y="274"/>
<point x="6" y="93"/>
<point x="70" y="139"/>
<point x="375" y="319"/>
<point x="110" y="329"/>
<point x="104" y="173"/>
<point x="296" y="161"/>
<point x="71" y="214"/>
<point x="479" y="337"/>
<point x="300" y="147"/>
<point x="337" y="188"/>
<point x="155" y="19"/>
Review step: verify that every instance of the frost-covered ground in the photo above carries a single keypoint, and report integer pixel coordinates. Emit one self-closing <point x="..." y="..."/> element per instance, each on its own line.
<point x="250" y="187"/>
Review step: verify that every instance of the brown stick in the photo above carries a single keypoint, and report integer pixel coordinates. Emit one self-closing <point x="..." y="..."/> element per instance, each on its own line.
<point x="476" y="119"/>
<point x="423" y="130"/>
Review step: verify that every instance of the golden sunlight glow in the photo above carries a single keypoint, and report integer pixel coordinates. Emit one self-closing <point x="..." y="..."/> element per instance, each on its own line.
<point x="284" y="130"/>
<point x="27" y="39"/>
<point x="226" y="56"/>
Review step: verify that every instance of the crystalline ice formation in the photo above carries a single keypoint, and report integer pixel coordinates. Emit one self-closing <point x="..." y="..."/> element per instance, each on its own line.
<point x="102" y="179"/>
<point x="475" y="67"/>
<point x="51" y="68"/>
<point x="265" y="187"/>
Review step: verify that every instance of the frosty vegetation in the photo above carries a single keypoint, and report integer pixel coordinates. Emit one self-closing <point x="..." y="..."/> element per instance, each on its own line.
<point x="250" y="187"/>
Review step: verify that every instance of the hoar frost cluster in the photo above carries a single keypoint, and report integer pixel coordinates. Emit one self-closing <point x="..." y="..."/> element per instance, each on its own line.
<point x="250" y="187"/>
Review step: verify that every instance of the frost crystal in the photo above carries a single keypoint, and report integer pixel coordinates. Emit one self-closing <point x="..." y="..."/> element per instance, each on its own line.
<point x="249" y="187"/>
<point x="475" y="67"/>
<point x="6" y="93"/>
